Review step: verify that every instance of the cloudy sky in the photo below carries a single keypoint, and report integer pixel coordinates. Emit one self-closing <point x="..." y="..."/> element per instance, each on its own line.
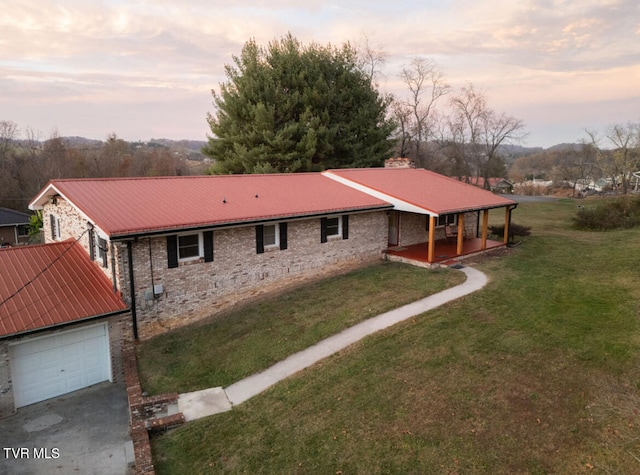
<point x="145" y="68"/>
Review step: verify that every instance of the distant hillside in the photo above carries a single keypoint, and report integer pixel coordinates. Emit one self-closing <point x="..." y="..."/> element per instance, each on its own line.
<point x="516" y="151"/>
<point x="195" y="145"/>
<point x="80" y="142"/>
<point x="192" y="148"/>
<point x="565" y="146"/>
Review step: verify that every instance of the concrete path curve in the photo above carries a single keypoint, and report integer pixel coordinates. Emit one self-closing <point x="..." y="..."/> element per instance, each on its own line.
<point x="216" y="400"/>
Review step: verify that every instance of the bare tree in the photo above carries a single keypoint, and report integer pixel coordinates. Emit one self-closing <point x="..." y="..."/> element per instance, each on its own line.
<point x="468" y="108"/>
<point x="574" y="166"/>
<point x="623" y="159"/>
<point x="31" y="173"/>
<point x="55" y="157"/>
<point x="498" y="129"/>
<point x="626" y="154"/>
<point x="402" y="117"/>
<point x="426" y="84"/>
<point x="8" y="133"/>
<point x="371" y="59"/>
<point x="478" y="132"/>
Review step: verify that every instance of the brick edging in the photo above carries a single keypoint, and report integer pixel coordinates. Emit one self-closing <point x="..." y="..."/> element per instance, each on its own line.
<point x="142" y="410"/>
<point x="139" y="433"/>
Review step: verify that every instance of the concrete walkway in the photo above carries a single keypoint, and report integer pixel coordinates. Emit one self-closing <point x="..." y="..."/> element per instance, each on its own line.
<point x="216" y="400"/>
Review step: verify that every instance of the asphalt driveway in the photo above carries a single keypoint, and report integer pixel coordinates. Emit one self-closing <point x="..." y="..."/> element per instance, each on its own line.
<point x="85" y="432"/>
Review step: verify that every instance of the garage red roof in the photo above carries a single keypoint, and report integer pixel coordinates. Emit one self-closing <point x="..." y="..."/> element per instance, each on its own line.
<point x="124" y="206"/>
<point x="432" y="192"/>
<point x="47" y="285"/>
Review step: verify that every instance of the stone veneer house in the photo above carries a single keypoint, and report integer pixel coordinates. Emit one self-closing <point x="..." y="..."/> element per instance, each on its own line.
<point x="177" y="249"/>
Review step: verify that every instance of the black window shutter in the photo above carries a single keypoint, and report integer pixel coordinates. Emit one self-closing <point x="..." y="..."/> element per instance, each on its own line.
<point x="92" y="245"/>
<point x="52" y="222"/>
<point x="259" y="238"/>
<point x="283" y="236"/>
<point x="207" y="237"/>
<point x="323" y="229"/>
<point x="345" y="226"/>
<point x="172" y="251"/>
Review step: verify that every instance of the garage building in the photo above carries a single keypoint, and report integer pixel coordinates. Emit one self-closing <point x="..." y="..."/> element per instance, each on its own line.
<point x="62" y="324"/>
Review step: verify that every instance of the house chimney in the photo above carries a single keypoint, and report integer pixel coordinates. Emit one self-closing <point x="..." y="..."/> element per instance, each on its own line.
<point x="399" y="163"/>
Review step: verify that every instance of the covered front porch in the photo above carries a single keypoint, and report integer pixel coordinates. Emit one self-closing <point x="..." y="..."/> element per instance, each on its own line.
<point x="447" y="237"/>
<point x="444" y="250"/>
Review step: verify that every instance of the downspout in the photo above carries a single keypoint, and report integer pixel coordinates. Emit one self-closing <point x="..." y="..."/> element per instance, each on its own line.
<point x="114" y="275"/>
<point x="132" y="290"/>
<point x="508" y="230"/>
<point x="153" y="287"/>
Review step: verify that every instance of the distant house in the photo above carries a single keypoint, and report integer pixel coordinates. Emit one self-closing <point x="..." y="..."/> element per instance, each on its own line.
<point x="14" y="227"/>
<point x="61" y="324"/>
<point x="497" y="185"/>
<point x="180" y="248"/>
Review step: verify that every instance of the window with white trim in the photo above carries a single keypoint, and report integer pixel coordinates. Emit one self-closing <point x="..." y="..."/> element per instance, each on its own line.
<point x="190" y="247"/>
<point x="334" y="226"/>
<point x="271" y="235"/>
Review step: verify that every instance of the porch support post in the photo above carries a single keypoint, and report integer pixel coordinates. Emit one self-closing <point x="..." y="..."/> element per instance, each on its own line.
<point x="460" y="234"/>
<point x="432" y="242"/>
<point x="507" y="216"/>
<point x="485" y="226"/>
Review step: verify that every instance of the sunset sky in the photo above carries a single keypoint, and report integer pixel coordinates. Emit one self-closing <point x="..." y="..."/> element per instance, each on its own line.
<point x="145" y="68"/>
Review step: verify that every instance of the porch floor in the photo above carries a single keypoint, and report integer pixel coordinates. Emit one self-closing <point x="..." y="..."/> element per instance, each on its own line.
<point x="445" y="250"/>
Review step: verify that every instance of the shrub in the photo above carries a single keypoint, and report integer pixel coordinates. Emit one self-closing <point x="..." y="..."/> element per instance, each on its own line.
<point x="514" y="230"/>
<point x="621" y="213"/>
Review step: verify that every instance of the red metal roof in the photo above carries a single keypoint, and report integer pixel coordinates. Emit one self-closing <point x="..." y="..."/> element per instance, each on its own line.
<point x="425" y="189"/>
<point x="124" y="206"/>
<point x="51" y="284"/>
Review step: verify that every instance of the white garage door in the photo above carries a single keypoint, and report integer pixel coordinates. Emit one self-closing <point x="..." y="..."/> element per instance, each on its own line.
<point x="47" y="367"/>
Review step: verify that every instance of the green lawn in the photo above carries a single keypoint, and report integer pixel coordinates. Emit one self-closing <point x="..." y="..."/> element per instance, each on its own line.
<point x="536" y="373"/>
<point x="255" y="337"/>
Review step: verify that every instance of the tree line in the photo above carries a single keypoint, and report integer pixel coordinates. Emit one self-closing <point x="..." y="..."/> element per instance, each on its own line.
<point x="27" y="163"/>
<point x="612" y="155"/>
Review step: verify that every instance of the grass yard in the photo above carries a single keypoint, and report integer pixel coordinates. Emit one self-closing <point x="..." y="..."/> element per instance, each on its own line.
<point x="249" y="340"/>
<point x="536" y="373"/>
